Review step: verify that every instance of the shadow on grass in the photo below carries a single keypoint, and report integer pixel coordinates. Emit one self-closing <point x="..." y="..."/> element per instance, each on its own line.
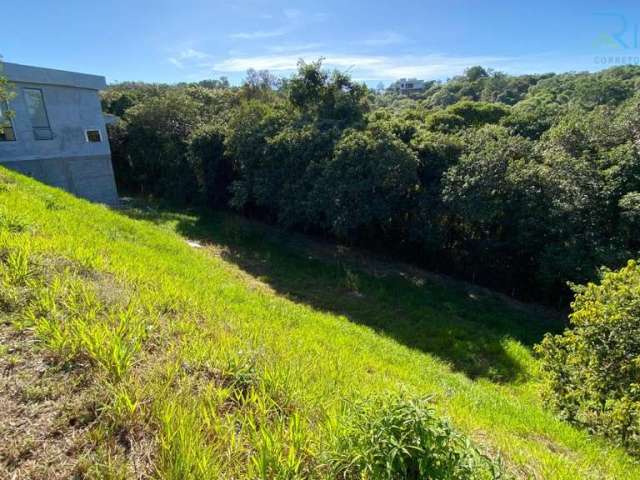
<point x="466" y="327"/>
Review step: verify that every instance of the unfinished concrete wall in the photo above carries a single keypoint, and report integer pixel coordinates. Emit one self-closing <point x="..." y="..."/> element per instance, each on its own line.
<point x="86" y="177"/>
<point x="66" y="160"/>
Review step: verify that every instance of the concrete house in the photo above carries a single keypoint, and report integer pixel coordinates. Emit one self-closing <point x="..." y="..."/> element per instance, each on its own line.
<point x="57" y="133"/>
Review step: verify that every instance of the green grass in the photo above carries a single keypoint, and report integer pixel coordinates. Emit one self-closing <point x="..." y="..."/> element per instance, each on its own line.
<point x="241" y="359"/>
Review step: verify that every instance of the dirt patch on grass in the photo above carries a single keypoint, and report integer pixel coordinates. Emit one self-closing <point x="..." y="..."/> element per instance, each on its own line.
<point x="551" y="445"/>
<point x="514" y="470"/>
<point x="46" y="412"/>
<point x="59" y="410"/>
<point x="50" y="422"/>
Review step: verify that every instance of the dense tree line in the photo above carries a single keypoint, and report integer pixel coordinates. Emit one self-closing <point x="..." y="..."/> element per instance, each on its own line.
<point x="522" y="183"/>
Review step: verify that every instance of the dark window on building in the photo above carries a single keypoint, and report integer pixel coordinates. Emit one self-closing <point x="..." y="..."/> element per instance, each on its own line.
<point x="38" y="113"/>
<point x="93" y="136"/>
<point x="7" y="133"/>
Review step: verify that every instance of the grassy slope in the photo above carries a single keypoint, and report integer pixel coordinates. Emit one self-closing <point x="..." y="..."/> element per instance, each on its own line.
<point x="298" y="330"/>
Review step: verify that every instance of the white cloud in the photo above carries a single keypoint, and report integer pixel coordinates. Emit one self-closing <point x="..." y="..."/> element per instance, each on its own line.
<point x="383" y="39"/>
<point x="187" y="55"/>
<point x="259" y="34"/>
<point x="292" y="14"/>
<point x="290" y="61"/>
<point x="371" y="67"/>
<point x="283" y="59"/>
<point x="321" y="17"/>
<point x="266" y="62"/>
<point x="293" y="19"/>
<point x="435" y="66"/>
<point x="294" y="47"/>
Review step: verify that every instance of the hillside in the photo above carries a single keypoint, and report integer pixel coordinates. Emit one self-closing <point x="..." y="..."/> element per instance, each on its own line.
<point x="131" y="353"/>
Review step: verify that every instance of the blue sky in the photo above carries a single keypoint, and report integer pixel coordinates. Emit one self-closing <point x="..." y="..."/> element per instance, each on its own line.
<point x="188" y="40"/>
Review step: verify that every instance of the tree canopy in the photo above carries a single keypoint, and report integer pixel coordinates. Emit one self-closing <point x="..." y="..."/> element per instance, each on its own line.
<point x="522" y="183"/>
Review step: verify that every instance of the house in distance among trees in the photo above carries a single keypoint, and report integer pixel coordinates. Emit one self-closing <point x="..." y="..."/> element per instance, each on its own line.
<point x="409" y="86"/>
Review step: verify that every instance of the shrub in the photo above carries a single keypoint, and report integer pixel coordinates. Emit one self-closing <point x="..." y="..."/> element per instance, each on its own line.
<point x="593" y="368"/>
<point x="122" y="167"/>
<point x="493" y="195"/>
<point x="399" y="438"/>
<point x="436" y="152"/>
<point x="213" y="169"/>
<point x="247" y="145"/>
<point x="629" y="206"/>
<point x="277" y="164"/>
<point x="158" y="132"/>
<point x="479" y="185"/>
<point x="331" y="98"/>
<point x="478" y="113"/>
<point x="293" y="161"/>
<point x="444" y="122"/>
<point x="532" y="117"/>
<point x="368" y="184"/>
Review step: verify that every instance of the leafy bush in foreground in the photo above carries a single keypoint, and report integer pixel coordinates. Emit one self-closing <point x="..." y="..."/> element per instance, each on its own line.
<point x="593" y="369"/>
<point x="399" y="438"/>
